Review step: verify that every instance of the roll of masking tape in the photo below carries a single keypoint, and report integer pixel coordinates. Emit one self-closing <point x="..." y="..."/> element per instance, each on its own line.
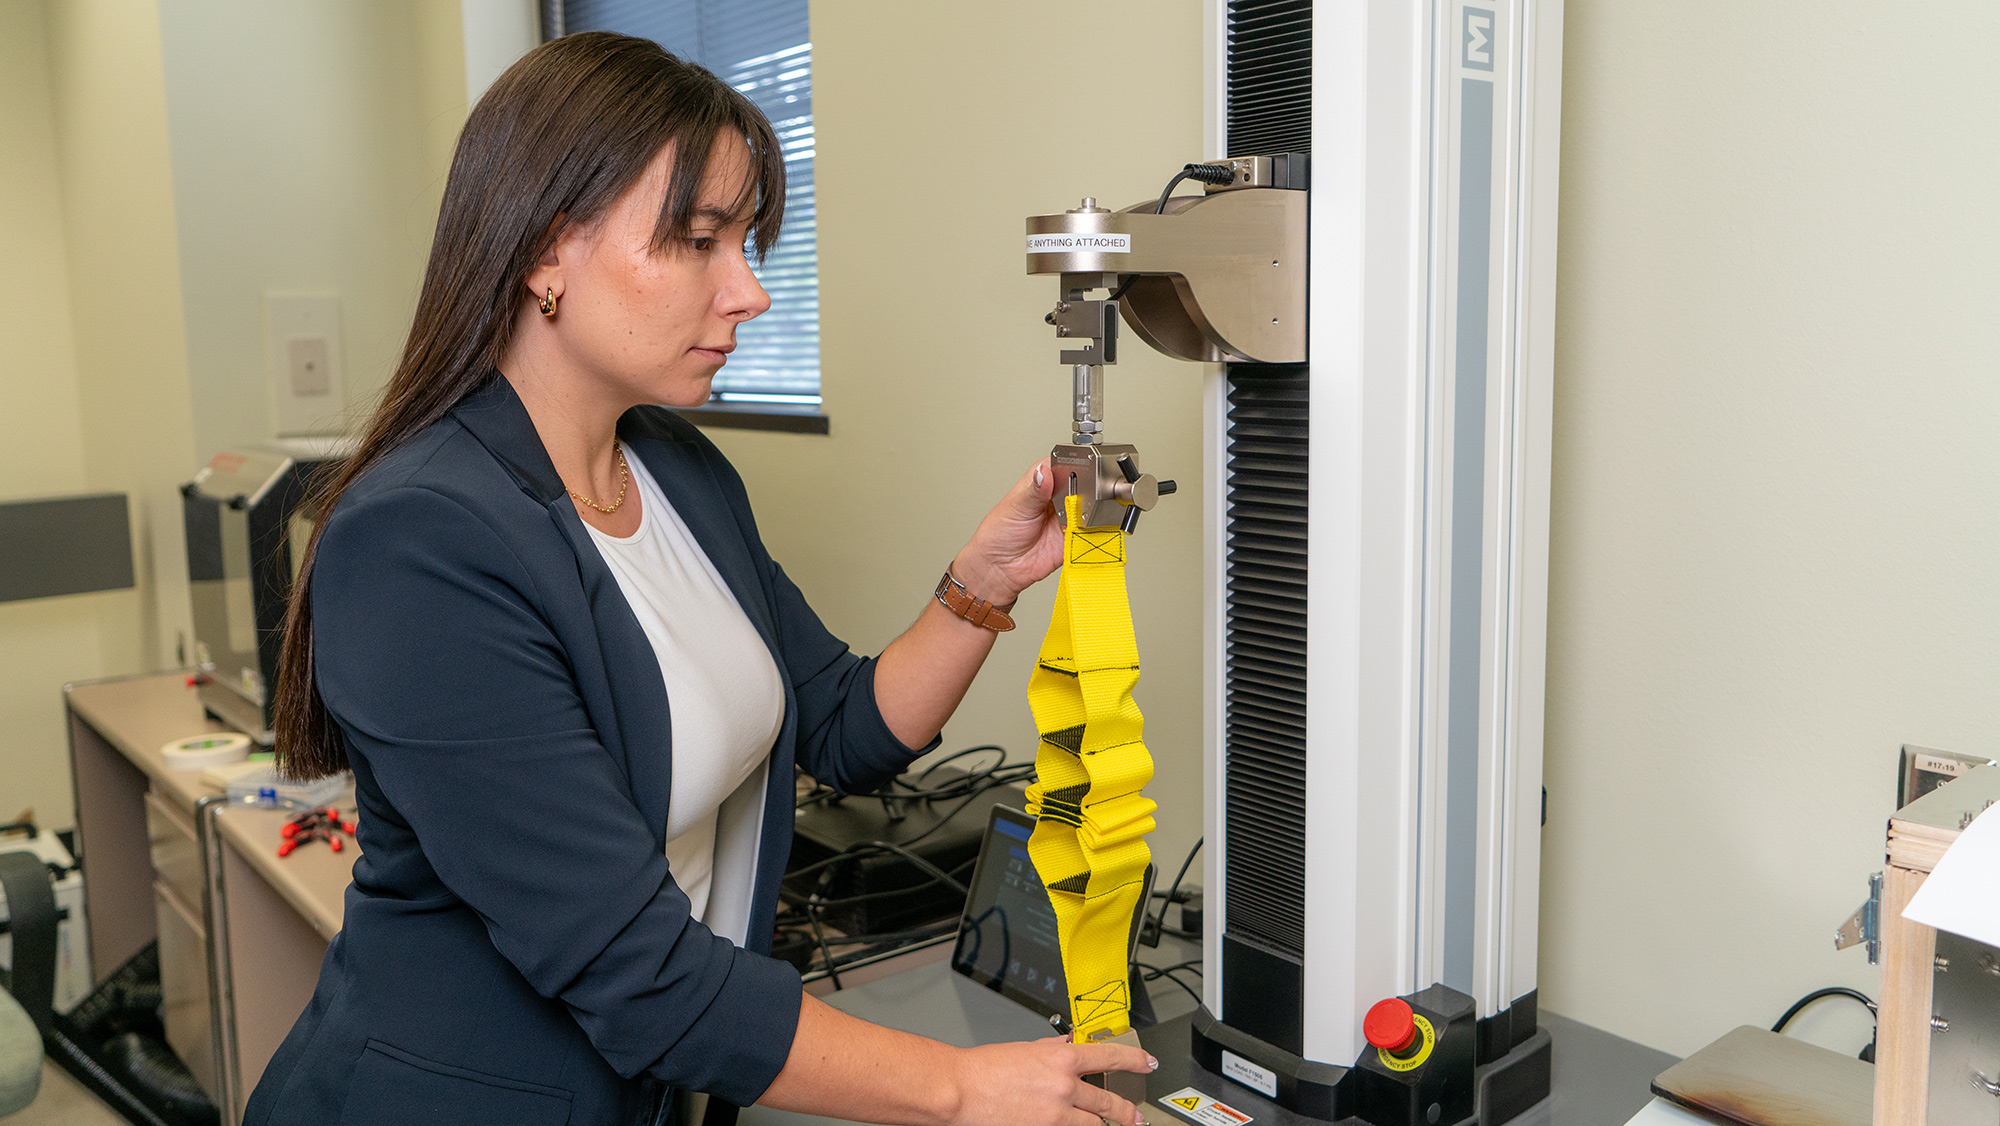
<point x="199" y="752"/>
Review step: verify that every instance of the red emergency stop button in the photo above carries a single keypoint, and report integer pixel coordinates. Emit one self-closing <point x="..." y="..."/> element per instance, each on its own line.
<point x="1390" y="1026"/>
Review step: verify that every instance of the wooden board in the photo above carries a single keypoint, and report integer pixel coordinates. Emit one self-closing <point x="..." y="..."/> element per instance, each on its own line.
<point x="1903" y="1024"/>
<point x="1755" y="1077"/>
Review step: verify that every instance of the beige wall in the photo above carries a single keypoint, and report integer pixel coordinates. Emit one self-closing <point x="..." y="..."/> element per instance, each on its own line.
<point x="93" y="380"/>
<point x="45" y="641"/>
<point x="1772" y="528"/>
<point x="132" y="377"/>
<point x="238" y="148"/>
<point x="1775" y="509"/>
<point x="940" y="378"/>
<point x="304" y="160"/>
<point x="1771" y="524"/>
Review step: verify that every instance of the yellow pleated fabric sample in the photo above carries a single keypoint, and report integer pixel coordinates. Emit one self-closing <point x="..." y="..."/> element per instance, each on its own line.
<point x="1089" y="844"/>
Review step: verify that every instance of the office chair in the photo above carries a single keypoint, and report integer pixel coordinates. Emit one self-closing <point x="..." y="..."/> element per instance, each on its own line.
<point x="27" y="1004"/>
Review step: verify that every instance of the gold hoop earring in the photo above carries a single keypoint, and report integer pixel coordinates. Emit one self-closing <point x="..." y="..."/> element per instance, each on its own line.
<point x="549" y="303"/>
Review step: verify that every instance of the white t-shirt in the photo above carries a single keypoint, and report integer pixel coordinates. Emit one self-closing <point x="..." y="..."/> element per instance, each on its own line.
<point x="724" y="698"/>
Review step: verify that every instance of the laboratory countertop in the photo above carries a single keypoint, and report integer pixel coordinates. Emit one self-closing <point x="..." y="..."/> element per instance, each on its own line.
<point x="1598" y="1079"/>
<point x="313" y="879"/>
<point x="139" y="715"/>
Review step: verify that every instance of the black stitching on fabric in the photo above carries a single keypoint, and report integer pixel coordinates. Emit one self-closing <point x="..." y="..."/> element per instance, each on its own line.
<point x="1069" y="739"/>
<point x="1074" y="885"/>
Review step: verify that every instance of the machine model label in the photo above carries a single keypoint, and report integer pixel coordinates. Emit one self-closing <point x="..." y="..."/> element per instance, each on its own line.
<point x="1262" y="1080"/>
<point x="1080" y="244"/>
<point x="1205" y="1110"/>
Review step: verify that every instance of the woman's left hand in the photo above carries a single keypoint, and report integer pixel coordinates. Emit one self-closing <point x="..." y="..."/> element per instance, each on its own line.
<point x="1017" y="545"/>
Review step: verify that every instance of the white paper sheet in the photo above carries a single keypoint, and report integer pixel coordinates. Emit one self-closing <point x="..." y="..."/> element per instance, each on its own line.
<point x="1962" y="894"/>
<point x="1660" y="1112"/>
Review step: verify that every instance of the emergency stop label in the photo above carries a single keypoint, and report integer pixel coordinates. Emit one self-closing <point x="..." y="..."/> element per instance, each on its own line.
<point x="1080" y="244"/>
<point x="1205" y="1110"/>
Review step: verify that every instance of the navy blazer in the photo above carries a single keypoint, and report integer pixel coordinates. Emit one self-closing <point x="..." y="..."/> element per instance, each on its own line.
<point x="514" y="948"/>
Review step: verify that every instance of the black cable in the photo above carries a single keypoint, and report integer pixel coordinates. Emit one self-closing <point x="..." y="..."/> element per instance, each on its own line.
<point x="802" y="898"/>
<point x="864" y="849"/>
<point x="889" y="938"/>
<point x="1161" y="207"/>
<point x="1001" y="772"/>
<point x="956" y="755"/>
<point x="974" y="782"/>
<point x="1830" y="991"/>
<point x="1157" y="925"/>
<point x="946" y="819"/>
<point x="1154" y="973"/>
<point x="825" y="952"/>
<point x="1174" y="888"/>
<point x="923" y="865"/>
<point x="812" y="905"/>
<point x="874" y="945"/>
<point x="1205" y="173"/>
<point x="812" y="901"/>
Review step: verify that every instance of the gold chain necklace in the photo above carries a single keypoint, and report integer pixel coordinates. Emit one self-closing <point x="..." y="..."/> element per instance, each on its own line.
<point x="624" y="482"/>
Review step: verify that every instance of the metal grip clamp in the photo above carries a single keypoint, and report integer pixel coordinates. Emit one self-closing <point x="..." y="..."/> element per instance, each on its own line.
<point x="1212" y="278"/>
<point x="1107" y="478"/>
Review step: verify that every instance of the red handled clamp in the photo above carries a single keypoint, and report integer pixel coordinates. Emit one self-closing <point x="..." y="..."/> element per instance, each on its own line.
<point x="322" y="824"/>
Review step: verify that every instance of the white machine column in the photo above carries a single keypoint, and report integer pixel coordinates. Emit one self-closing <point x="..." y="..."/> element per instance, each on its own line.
<point x="1378" y="529"/>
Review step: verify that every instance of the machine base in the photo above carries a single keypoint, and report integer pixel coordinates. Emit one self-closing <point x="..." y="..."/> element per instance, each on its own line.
<point x="1514" y="1083"/>
<point x="1310" y="1092"/>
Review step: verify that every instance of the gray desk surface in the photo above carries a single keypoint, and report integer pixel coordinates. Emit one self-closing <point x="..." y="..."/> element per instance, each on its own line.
<point x="1600" y="1079"/>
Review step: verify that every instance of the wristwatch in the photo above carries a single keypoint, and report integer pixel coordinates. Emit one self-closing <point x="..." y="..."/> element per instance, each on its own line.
<point x="978" y="611"/>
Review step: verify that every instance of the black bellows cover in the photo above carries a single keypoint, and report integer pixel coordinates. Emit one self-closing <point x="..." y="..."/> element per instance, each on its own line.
<point x="1269" y="110"/>
<point x="1270" y="77"/>
<point x="1265" y="649"/>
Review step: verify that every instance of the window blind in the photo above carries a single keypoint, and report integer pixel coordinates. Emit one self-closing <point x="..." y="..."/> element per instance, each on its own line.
<point x="764" y="49"/>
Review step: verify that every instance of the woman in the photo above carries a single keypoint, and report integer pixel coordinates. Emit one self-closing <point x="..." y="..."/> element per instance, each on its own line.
<point x="540" y="626"/>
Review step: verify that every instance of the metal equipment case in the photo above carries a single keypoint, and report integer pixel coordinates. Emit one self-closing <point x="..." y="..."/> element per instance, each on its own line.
<point x="1937" y="1055"/>
<point x="246" y="535"/>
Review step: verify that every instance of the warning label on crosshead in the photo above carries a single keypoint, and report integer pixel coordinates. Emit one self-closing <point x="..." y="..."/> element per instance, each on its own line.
<point x="1203" y="1109"/>
<point x="1080" y="244"/>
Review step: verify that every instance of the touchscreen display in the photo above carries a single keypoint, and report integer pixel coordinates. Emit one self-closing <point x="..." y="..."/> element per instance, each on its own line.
<point x="1007" y="939"/>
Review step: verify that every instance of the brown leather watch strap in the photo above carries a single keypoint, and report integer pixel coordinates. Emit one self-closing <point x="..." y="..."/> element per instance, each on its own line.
<point x="978" y="611"/>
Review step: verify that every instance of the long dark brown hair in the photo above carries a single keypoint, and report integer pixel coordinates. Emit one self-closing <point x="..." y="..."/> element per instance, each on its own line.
<point x="551" y="145"/>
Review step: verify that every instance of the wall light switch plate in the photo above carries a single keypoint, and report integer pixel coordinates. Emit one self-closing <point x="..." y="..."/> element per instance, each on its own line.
<point x="303" y="363"/>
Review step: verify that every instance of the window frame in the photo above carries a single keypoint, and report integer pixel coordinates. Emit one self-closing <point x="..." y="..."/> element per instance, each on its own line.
<point x="718" y="412"/>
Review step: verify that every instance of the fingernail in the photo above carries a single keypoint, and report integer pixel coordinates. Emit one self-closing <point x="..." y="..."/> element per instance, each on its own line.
<point x="1152" y="1064"/>
<point x="1038" y="476"/>
<point x="1141" y="1118"/>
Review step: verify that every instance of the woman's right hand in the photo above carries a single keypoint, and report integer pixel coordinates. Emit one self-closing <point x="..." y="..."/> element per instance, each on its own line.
<point x="1040" y="1083"/>
<point x="841" y="1066"/>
